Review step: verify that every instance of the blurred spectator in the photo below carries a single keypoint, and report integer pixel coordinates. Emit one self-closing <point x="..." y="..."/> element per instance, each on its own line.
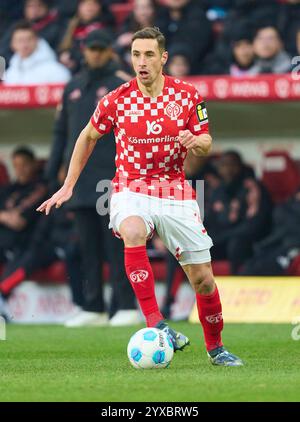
<point x="62" y="243"/>
<point x="10" y="11"/>
<point x="238" y="213"/>
<point x="90" y="15"/>
<point x="270" y="55"/>
<point x="143" y="15"/>
<point x="100" y="76"/>
<point x="274" y="254"/>
<point x="184" y="21"/>
<point x="67" y="8"/>
<point x="4" y="177"/>
<point x="45" y="21"/>
<point x="256" y="11"/>
<point x="18" y="201"/>
<point x="217" y="11"/>
<point x="179" y="61"/>
<point x="288" y="24"/>
<point x="243" y="56"/>
<point x="33" y="62"/>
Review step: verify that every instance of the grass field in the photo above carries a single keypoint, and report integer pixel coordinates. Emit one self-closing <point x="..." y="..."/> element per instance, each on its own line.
<point x="51" y="363"/>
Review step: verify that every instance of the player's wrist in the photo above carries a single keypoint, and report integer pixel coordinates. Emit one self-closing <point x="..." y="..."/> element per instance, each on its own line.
<point x="68" y="184"/>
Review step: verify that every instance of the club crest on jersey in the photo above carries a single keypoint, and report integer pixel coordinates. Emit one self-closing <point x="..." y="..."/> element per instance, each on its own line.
<point x="201" y="112"/>
<point x="173" y="110"/>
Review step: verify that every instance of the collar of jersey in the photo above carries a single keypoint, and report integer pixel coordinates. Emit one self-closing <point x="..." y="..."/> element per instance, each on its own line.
<point x="166" y="84"/>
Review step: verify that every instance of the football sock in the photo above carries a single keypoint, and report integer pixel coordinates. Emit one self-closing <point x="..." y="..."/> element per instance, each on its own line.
<point x="210" y="315"/>
<point x="12" y="280"/>
<point x="140" y="275"/>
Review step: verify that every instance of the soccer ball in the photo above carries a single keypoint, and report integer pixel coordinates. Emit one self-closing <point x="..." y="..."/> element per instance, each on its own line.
<point x="150" y="348"/>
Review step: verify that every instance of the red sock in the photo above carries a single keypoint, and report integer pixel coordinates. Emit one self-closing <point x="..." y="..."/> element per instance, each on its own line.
<point x="140" y="275"/>
<point x="12" y="280"/>
<point x="210" y="315"/>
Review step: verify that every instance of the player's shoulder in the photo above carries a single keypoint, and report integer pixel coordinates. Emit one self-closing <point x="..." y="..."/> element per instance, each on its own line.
<point x="180" y="85"/>
<point x="121" y="91"/>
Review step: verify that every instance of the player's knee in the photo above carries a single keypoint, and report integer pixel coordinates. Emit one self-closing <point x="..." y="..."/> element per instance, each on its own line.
<point x="133" y="231"/>
<point x="203" y="281"/>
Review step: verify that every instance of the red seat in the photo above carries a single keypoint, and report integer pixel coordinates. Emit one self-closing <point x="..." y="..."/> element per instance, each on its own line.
<point x="4" y="177"/>
<point x="281" y="175"/>
<point x="56" y="273"/>
<point x="294" y="268"/>
<point x="221" y="268"/>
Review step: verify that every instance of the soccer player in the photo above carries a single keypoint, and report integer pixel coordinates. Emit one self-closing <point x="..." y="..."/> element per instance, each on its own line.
<point x="156" y="120"/>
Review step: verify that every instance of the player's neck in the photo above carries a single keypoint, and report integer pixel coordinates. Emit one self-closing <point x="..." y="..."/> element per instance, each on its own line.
<point x="154" y="89"/>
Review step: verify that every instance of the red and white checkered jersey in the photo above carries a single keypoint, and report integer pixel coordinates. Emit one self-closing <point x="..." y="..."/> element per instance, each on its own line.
<point x="149" y="156"/>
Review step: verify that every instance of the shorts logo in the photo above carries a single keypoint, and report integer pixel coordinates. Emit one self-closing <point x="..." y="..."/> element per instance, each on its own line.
<point x="201" y="112"/>
<point x="138" y="276"/>
<point x="173" y="110"/>
<point x="214" y="319"/>
<point x="154" y="128"/>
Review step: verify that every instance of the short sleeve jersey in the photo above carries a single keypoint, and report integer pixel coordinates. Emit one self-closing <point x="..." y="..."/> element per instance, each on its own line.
<point x="149" y="157"/>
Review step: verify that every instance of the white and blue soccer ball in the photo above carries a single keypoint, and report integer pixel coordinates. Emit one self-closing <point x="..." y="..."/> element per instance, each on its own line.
<point x="150" y="348"/>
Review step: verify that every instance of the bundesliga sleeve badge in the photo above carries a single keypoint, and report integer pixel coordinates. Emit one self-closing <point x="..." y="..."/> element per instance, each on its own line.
<point x="201" y="112"/>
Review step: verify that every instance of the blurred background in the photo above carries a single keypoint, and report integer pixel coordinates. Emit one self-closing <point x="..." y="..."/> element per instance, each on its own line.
<point x="61" y="58"/>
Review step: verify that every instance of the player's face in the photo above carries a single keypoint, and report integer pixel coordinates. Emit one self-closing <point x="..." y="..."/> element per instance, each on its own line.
<point x="147" y="60"/>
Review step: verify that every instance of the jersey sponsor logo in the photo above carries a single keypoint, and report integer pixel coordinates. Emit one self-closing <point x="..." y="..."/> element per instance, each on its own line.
<point x="154" y="128"/>
<point x="173" y="110"/>
<point x="214" y="319"/>
<point x="138" y="276"/>
<point x="201" y="111"/>
<point x="134" y="113"/>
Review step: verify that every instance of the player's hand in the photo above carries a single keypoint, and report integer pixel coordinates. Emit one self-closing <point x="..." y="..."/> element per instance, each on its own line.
<point x="61" y="196"/>
<point x="187" y="139"/>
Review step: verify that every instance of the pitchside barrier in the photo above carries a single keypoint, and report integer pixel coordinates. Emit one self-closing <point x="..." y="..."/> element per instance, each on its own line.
<point x="258" y="299"/>
<point x="244" y="300"/>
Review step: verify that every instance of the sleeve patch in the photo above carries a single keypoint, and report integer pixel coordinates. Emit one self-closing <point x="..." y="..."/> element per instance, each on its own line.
<point x="201" y="112"/>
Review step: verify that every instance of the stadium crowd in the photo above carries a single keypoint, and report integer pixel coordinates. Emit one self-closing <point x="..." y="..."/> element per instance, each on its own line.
<point x="84" y="43"/>
<point x="44" y="39"/>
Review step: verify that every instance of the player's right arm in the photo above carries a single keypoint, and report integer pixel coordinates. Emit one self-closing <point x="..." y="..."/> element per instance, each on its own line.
<point x="83" y="148"/>
<point x="101" y="123"/>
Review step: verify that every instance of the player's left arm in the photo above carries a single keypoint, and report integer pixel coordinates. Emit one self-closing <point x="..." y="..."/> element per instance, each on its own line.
<point x="199" y="144"/>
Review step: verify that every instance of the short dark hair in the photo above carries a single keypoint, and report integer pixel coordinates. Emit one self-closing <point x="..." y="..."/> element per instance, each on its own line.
<point x="151" y="33"/>
<point x="23" y="25"/>
<point x="24" y="151"/>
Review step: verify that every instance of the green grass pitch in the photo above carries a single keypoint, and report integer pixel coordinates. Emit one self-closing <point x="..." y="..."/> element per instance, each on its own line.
<point x="52" y="363"/>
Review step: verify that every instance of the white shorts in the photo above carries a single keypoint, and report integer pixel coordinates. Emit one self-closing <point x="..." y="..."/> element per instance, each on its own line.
<point x="177" y="223"/>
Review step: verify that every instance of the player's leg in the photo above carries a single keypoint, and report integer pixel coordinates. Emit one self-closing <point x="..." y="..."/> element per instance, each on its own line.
<point x="209" y="310"/>
<point x="134" y="233"/>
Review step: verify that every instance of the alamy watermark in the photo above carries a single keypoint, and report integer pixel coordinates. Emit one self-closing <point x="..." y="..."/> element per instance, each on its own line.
<point x="2" y="328"/>
<point x="2" y="67"/>
<point x="155" y="189"/>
